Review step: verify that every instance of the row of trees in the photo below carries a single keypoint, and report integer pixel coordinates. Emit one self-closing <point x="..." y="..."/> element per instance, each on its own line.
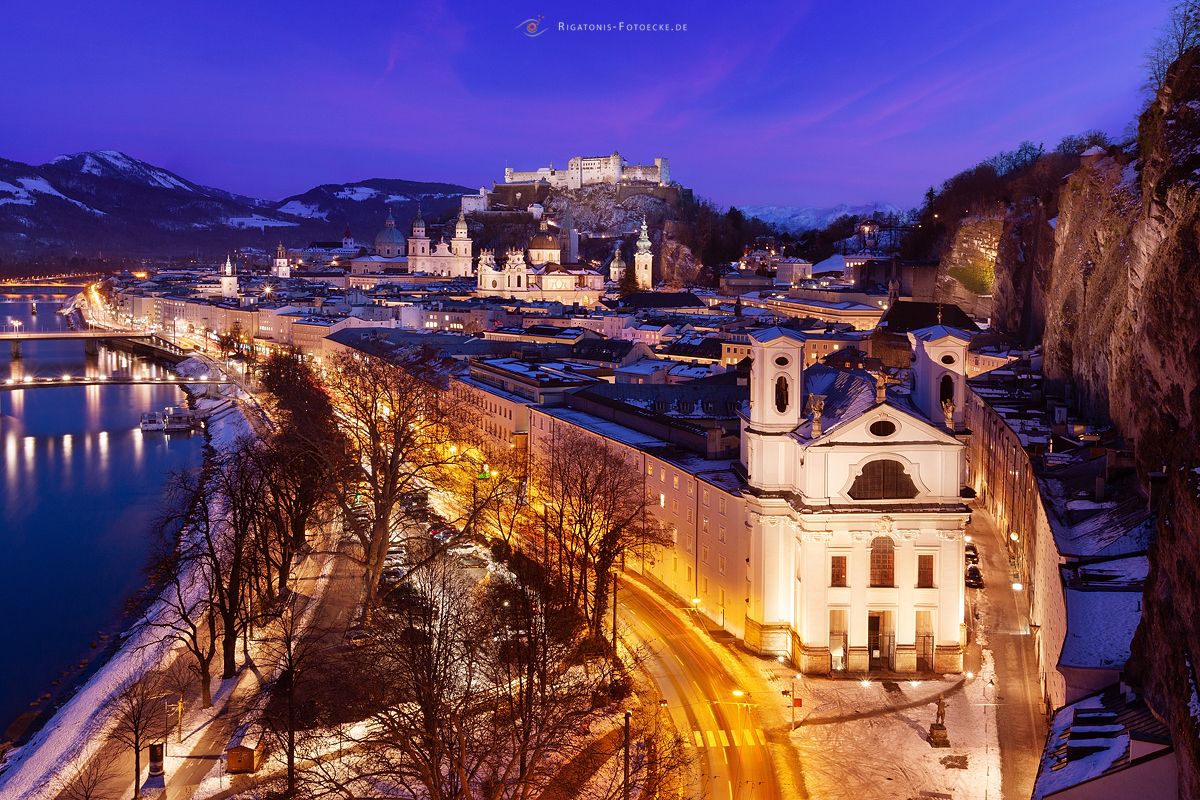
<point x="463" y="688"/>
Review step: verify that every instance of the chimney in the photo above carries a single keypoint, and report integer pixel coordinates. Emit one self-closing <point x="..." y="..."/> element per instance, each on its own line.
<point x="880" y="388"/>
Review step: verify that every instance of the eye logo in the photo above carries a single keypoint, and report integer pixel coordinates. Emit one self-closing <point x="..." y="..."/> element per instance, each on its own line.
<point x="532" y="27"/>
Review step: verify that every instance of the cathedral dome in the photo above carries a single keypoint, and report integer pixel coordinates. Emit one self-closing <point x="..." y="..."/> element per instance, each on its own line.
<point x="543" y="241"/>
<point x="389" y="241"/>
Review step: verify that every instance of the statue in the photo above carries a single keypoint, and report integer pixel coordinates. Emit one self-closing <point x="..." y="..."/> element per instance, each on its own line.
<point x="937" y="731"/>
<point x="948" y="412"/>
<point x="941" y="710"/>
<point x="816" y="405"/>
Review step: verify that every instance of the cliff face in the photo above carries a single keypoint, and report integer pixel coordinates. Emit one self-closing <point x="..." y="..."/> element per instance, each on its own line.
<point x="967" y="274"/>
<point x="1118" y="293"/>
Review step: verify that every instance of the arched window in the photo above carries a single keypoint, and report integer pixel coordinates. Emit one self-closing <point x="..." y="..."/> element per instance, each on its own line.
<point x="883" y="562"/>
<point x="781" y="394"/>
<point x="883" y="480"/>
<point x="947" y="389"/>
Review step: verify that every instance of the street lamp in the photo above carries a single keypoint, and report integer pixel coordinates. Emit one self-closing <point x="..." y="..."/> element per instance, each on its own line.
<point x="625" y="783"/>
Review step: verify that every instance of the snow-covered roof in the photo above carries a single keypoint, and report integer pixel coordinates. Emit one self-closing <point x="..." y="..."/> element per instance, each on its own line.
<point x="771" y="334"/>
<point x="935" y="333"/>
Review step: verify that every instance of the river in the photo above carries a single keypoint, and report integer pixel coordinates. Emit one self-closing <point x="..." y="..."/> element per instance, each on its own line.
<point x="80" y="489"/>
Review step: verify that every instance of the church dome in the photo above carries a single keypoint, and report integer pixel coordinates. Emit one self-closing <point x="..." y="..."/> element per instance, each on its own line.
<point x="542" y="240"/>
<point x="389" y="240"/>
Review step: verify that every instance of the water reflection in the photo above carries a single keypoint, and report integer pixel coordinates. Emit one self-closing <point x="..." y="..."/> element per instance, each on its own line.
<point x="79" y="487"/>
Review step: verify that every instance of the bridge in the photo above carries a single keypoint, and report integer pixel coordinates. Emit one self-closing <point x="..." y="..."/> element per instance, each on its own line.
<point x="90" y="338"/>
<point x="33" y="382"/>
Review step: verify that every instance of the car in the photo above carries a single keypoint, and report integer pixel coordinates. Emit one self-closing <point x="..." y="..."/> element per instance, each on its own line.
<point x="972" y="549"/>
<point x="971" y="558"/>
<point x="974" y="577"/>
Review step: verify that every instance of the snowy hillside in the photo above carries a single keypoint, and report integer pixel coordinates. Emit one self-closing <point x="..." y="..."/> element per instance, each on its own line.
<point x="795" y="219"/>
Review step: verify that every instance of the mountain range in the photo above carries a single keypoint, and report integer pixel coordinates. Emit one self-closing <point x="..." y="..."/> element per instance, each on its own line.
<point x="108" y="203"/>
<point x="797" y="219"/>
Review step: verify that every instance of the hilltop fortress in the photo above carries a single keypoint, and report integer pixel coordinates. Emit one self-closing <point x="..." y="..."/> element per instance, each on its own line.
<point x="587" y="170"/>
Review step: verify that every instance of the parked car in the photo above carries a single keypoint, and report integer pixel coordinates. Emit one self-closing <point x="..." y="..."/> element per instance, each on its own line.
<point x="972" y="549"/>
<point x="974" y="577"/>
<point x="971" y="558"/>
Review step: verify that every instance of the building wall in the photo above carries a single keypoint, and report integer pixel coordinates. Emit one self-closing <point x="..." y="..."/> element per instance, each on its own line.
<point x="708" y="558"/>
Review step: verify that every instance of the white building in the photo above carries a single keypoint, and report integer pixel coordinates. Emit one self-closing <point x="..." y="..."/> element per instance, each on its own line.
<point x="855" y="503"/>
<point x="450" y="259"/>
<point x="588" y="170"/>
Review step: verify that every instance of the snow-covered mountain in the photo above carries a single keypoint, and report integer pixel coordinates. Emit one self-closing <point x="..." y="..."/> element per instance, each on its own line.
<point x="795" y="219"/>
<point x="109" y="202"/>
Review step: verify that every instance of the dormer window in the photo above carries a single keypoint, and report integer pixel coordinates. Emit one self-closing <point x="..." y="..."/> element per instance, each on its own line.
<point x="947" y="359"/>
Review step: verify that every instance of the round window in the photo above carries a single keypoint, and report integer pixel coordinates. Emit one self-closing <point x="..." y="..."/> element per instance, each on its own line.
<point x="782" y="361"/>
<point x="947" y="359"/>
<point x="882" y="427"/>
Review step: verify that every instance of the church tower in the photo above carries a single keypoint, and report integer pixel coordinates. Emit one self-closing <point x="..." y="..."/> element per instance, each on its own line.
<point x="643" y="260"/>
<point x="616" y="267"/>
<point x="418" y="243"/>
<point x="488" y="278"/>
<point x="281" y="267"/>
<point x="776" y="406"/>
<point x="229" y="280"/>
<point x="940" y="373"/>
<point x="460" y="248"/>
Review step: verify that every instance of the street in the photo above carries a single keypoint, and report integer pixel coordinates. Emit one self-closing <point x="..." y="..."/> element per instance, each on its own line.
<point x="736" y="755"/>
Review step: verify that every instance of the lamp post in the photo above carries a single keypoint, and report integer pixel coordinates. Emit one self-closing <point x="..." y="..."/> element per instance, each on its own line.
<point x="625" y="783"/>
<point x="614" y="613"/>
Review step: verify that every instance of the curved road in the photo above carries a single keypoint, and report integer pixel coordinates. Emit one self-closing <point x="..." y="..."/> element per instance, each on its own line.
<point x="736" y="758"/>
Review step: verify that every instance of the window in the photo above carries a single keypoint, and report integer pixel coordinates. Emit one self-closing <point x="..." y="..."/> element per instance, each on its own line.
<point x="662" y="501"/>
<point x="675" y="481"/>
<point x="704" y="554"/>
<point x="781" y="394"/>
<point x="721" y="533"/>
<point x="883" y="562"/>
<point x="704" y="523"/>
<point x="721" y="504"/>
<point x="883" y="480"/>
<point x="649" y="467"/>
<point x="721" y="565"/>
<point x="837" y="571"/>
<point x="675" y="505"/>
<point x="689" y="515"/>
<point x="882" y="427"/>
<point x="925" y="571"/>
<point x="947" y="359"/>
<point x="704" y="497"/>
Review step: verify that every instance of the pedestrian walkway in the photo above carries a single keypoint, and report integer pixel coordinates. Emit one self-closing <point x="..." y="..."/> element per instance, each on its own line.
<point x="746" y="737"/>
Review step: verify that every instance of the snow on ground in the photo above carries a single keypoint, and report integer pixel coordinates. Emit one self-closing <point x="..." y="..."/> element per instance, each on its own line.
<point x="69" y="736"/>
<point x="258" y="221"/>
<point x="297" y="208"/>
<point x="888" y="755"/>
<point x="356" y="193"/>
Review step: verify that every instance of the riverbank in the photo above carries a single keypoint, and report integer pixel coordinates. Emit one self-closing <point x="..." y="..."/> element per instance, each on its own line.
<point x="76" y="729"/>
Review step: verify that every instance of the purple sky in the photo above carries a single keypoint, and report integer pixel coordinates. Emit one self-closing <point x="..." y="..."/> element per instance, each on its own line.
<point x="791" y="103"/>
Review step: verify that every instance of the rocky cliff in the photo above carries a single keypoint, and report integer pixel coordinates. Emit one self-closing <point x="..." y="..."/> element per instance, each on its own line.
<point x="1117" y="289"/>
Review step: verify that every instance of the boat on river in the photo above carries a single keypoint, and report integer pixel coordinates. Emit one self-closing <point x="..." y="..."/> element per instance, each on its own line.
<point x="177" y="420"/>
<point x="151" y="421"/>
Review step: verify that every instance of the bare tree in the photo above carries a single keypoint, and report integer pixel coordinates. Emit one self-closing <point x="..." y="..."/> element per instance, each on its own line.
<point x="190" y="616"/>
<point x="136" y="709"/>
<point x="1180" y="33"/>
<point x="302" y="658"/>
<point x="222" y="538"/>
<point x="480" y="691"/>
<point x="595" y="510"/>
<point x="397" y="422"/>
<point x="86" y="780"/>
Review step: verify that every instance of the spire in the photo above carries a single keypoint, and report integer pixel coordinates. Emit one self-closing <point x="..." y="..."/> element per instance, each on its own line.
<point x="390" y="222"/>
<point x="939" y="310"/>
<point x="643" y="242"/>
